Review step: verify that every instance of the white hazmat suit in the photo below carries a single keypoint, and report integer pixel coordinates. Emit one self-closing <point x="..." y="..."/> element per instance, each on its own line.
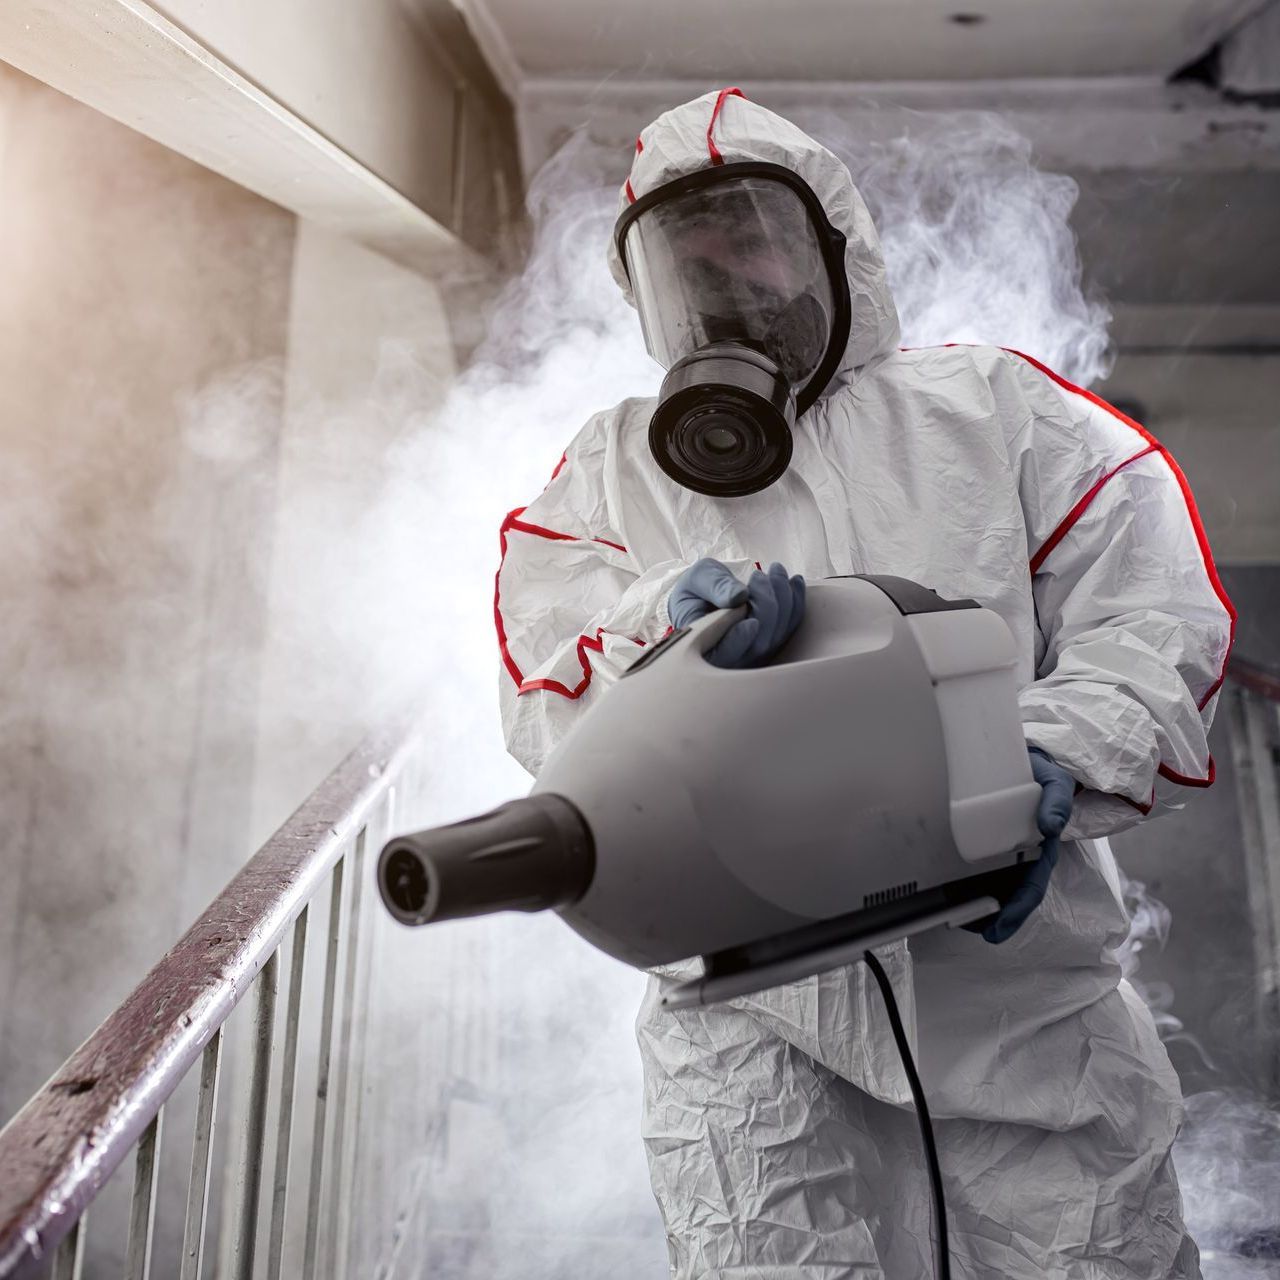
<point x="779" y="1132"/>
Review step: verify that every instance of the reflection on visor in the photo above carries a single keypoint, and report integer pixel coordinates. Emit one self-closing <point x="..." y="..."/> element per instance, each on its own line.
<point x="797" y="330"/>
<point x="744" y="252"/>
<point x="739" y="261"/>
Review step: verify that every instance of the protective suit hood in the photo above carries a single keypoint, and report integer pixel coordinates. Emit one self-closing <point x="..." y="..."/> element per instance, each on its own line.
<point x="723" y="127"/>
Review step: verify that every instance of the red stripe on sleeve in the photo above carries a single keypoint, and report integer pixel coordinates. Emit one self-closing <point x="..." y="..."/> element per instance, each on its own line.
<point x="1079" y="509"/>
<point x="1197" y="525"/>
<point x="584" y="643"/>
<point x="1193" y="512"/>
<point x="1143" y="809"/>
<point x="523" y="526"/>
<point x="1183" y="780"/>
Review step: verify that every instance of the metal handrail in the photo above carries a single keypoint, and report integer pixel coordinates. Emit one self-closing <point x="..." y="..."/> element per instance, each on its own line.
<point x="1264" y="681"/>
<point x="107" y="1098"/>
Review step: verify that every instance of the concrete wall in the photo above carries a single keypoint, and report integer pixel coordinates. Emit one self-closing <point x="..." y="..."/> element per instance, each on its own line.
<point x="362" y="74"/>
<point x="196" y="391"/>
<point x="382" y="125"/>
<point x="132" y="625"/>
<point x="132" y="526"/>
<point x="401" y="92"/>
<point x="369" y="356"/>
<point x="1215" y="411"/>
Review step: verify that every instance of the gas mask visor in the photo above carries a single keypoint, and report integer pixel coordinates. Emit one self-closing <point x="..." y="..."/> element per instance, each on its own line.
<point x="740" y="283"/>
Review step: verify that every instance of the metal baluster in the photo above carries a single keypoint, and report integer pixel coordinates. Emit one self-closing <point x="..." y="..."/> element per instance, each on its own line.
<point x="152" y="1038"/>
<point x="249" y="1179"/>
<point x="1254" y="727"/>
<point x="288" y="1078"/>
<point x="201" y="1159"/>
<point x="142" y="1216"/>
<point x="340" y="1206"/>
<point x="349" y="1237"/>
<point x="319" y="1131"/>
<point x="68" y="1258"/>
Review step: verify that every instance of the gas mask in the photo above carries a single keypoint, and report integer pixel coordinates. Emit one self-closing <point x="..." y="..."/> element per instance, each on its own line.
<point x="739" y="279"/>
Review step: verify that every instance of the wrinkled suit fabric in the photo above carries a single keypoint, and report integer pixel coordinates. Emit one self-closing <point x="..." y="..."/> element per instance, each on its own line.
<point x="779" y="1130"/>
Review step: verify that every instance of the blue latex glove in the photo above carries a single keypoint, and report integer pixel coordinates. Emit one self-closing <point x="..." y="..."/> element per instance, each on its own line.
<point x="1057" y="794"/>
<point x="703" y="587"/>
<point x="775" y="608"/>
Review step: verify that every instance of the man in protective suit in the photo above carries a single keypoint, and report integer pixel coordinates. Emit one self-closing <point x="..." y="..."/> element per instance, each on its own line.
<point x="791" y="428"/>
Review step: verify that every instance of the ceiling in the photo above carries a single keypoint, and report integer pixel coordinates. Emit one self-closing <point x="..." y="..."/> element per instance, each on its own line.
<point x="861" y="40"/>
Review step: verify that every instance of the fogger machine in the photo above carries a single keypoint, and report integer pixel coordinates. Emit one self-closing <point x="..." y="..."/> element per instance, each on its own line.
<point x="868" y="784"/>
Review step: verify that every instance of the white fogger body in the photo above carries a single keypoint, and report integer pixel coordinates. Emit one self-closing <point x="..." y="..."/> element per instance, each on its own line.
<point x="779" y="820"/>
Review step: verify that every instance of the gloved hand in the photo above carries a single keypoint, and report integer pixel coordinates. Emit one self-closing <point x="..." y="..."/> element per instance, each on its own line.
<point x="775" y="608"/>
<point x="1057" y="794"/>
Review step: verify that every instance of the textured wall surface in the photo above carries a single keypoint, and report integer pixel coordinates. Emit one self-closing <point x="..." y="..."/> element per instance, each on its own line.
<point x="185" y="441"/>
<point x="132" y="625"/>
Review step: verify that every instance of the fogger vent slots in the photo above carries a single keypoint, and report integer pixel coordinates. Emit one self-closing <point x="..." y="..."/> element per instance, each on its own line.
<point x="881" y="896"/>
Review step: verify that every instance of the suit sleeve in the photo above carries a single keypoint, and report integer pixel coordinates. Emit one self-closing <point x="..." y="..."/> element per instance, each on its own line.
<point x="572" y="608"/>
<point x="1135" y="623"/>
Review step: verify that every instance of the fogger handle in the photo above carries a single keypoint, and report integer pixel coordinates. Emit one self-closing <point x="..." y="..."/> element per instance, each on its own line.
<point x="711" y="628"/>
<point x="532" y="854"/>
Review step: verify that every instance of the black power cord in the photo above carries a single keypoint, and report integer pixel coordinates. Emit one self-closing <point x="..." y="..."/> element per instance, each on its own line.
<point x="922" y="1114"/>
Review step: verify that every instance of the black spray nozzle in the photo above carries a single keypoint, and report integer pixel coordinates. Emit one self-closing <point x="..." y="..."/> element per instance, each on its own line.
<point x="528" y="855"/>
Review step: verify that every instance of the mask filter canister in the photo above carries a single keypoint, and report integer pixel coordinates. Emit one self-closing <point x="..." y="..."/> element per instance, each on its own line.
<point x="723" y="422"/>
<point x="740" y="283"/>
